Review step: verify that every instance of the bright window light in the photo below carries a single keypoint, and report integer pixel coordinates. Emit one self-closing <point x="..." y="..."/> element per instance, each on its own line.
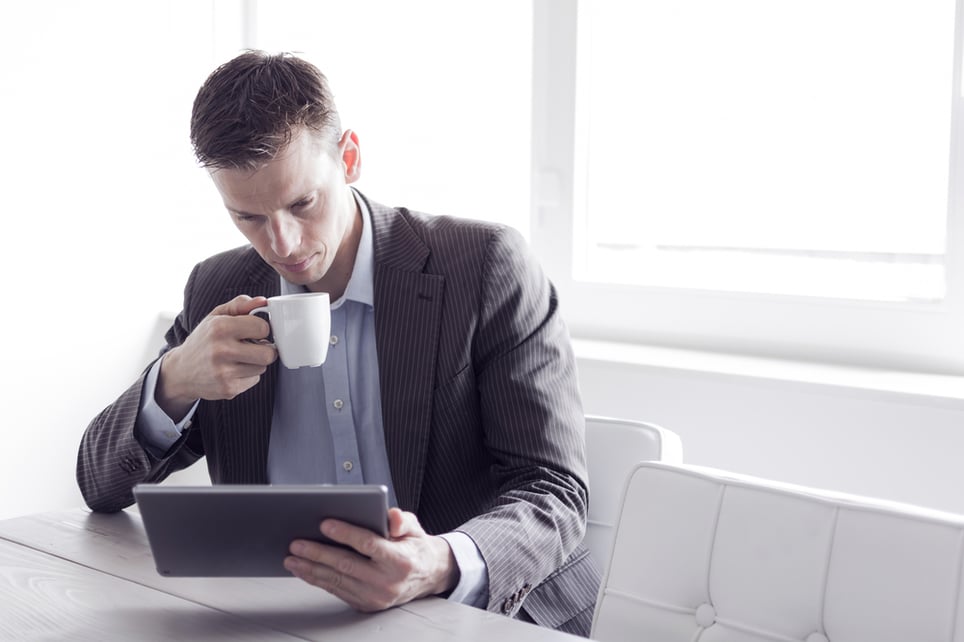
<point x="765" y="146"/>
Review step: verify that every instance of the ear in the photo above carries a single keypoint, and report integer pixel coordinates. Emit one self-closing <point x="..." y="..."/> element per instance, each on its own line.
<point x="350" y="155"/>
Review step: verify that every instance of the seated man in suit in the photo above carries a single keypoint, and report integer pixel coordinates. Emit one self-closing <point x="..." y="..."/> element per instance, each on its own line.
<point x="450" y="377"/>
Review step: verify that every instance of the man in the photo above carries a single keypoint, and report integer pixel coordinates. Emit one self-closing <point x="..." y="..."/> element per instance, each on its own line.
<point x="450" y="378"/>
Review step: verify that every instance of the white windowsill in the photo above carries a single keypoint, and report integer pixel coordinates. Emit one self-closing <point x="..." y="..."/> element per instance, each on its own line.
<point x="911" y="387"/>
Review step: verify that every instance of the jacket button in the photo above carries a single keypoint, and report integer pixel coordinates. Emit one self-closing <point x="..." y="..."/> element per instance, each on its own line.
<point x="506" y="606"/>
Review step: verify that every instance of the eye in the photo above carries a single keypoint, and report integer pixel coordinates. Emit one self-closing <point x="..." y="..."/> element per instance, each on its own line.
<point x="305" y="202"/>
<point x="245" y="218"/>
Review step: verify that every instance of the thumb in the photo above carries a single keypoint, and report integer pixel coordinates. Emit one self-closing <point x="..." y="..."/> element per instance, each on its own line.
<point x="240" y="305"/>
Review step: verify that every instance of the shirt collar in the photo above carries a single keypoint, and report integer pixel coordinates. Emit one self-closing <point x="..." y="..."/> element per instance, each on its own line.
<point x="361" y="284"/>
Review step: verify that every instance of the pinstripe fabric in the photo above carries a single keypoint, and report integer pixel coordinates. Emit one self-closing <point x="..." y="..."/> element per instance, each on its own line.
<point x="483" y="423"/>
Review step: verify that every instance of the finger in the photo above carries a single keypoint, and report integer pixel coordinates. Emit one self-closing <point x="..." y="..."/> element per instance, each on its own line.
<point x="335" y="569"/>
<point x="258" y="355"/>
<point x="246" y="371"/>
<point x="239" y="305"/>
<point x="252" y="328"/>
<point x="345" y="587"/>
<point x="242" y="384"/>
<point x="360" y="539"/>
<point x="316" y="552"/>
<point x="323" y="560"/>
<point x="243" y="328"/>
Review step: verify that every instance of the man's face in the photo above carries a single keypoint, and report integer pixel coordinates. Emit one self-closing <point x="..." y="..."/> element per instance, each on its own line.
<point x="297" y="211"/>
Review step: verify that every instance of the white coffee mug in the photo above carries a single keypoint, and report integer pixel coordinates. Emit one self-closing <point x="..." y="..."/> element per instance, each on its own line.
<point x="301" y="327"/>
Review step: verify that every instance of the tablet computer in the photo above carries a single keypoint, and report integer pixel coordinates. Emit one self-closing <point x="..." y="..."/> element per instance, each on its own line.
<point x="245" y="531"/>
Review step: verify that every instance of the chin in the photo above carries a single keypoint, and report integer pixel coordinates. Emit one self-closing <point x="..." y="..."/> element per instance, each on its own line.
<point x="298" y="279"/>
<point x="305" y="279"/>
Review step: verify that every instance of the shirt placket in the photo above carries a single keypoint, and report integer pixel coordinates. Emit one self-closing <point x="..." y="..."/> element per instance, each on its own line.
<point x="348" y="468"/>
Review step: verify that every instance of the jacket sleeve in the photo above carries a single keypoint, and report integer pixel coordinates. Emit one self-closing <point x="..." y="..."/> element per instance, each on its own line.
<point x="533" y="426"/>
<point x="111" y="460"/>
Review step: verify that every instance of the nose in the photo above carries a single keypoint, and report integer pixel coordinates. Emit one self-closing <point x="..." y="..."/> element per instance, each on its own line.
<point x="285" y="235"/>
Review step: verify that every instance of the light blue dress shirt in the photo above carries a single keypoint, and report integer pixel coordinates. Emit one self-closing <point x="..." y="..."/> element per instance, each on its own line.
<point x="326" y="426"/>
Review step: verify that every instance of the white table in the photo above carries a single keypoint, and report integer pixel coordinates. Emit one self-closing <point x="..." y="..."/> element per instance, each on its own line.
<point x="84" y="576"/>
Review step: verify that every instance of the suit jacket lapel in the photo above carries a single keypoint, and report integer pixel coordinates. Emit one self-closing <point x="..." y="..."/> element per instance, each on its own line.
<point x="408" y="307"/>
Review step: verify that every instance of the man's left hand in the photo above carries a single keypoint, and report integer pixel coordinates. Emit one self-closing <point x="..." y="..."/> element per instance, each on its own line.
<point x="377" y="573"/>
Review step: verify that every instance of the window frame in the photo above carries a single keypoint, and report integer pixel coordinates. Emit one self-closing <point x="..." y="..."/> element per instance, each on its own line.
<point x="917" y="336"/>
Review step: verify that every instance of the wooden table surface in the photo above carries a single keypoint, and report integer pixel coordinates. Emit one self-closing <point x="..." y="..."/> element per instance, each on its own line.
<point x="76" y="575"/>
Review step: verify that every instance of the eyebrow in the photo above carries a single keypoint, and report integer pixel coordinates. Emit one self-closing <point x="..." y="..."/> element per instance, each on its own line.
<point x="301" y="198"/>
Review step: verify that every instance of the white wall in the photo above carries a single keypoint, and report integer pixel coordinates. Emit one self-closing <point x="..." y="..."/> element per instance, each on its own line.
<point x="103" y="213"/>
<point x="883" y="443"/>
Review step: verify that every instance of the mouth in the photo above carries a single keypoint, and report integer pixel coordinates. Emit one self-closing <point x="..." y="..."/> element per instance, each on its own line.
<point x="295" y="268"/>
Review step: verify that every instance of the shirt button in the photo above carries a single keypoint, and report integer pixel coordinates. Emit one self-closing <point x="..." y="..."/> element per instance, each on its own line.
<point x="338" y="403"/>
<point x="333" y="340"/>
<point x="347" y="466"/>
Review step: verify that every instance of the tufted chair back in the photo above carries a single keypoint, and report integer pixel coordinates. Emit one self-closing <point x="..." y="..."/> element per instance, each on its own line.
<point x="701" y="554"/>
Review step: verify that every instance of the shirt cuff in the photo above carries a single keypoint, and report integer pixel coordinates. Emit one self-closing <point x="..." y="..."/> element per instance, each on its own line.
<point x="157" y="432"/>
<point x="473" y="586"/>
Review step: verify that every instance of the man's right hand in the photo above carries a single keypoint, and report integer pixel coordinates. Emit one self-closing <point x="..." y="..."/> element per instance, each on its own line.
<point x="220" y="359"/>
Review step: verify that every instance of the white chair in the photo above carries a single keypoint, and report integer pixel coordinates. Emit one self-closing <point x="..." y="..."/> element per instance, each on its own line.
<point x="700" y="554"/>
<point x="613" y="448"/>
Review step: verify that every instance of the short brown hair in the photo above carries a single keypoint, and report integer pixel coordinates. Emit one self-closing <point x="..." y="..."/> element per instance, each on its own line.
<point x="248" y="109"/>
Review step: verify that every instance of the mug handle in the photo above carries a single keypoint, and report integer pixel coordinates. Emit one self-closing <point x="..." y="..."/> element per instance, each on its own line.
<point x="263" y="310"/>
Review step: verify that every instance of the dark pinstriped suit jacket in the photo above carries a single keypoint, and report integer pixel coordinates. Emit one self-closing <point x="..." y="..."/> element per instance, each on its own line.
<point x="483" y="424"/>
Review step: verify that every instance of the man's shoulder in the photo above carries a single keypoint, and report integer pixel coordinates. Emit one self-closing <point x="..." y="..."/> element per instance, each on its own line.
<point x="238" y="256"/>
<point x="443" y="225"/>
<point x="439" y="232"/>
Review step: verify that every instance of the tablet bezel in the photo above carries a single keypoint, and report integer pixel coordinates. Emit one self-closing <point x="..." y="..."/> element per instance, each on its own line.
<point x="245" y="530"/>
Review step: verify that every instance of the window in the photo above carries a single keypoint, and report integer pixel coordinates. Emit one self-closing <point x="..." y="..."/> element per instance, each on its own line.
<point x="755" y="175"/>
<point x="778" y="147"/>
